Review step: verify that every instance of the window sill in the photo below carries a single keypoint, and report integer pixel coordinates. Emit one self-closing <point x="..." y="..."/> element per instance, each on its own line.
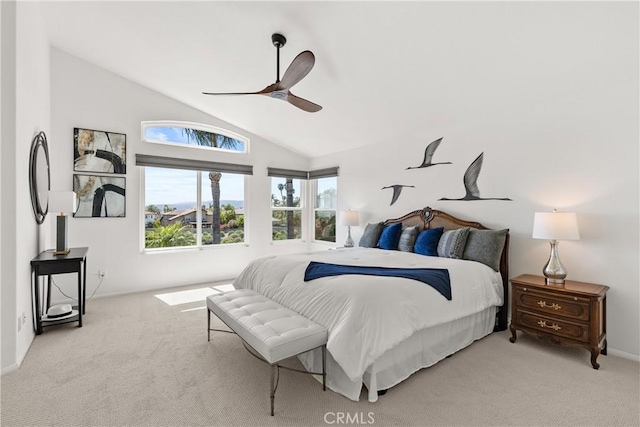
<point x="288" y="242"/>
<point x="183" y="249"/>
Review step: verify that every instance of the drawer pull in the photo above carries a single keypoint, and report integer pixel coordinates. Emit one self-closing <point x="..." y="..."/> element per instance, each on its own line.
<point x="553" y="326"/>
<point x="544" y="304"/>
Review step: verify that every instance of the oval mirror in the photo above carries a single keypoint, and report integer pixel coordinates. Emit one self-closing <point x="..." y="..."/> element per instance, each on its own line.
<point x="39" y="178"/>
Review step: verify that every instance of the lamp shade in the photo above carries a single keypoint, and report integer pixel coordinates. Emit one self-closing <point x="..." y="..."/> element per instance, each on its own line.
<point x="555" y="226"/>
<point x="350" y="218"/>
<point x="62" y="201"/>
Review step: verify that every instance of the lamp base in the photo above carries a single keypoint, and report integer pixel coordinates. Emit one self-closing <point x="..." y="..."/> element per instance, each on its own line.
<point x="552" y="281"/>
<point x="554" y="272"/>
<point x="61" y="235"/>
<point x="349" y="242"/>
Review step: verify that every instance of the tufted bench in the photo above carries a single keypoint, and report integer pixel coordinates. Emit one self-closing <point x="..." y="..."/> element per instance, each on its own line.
<point x="271" y="330"/>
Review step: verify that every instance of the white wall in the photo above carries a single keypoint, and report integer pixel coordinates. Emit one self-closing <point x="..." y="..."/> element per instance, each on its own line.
<point x="86" y="96"/>
<point x="576" y="153"/>
<point x="25" y="112"/>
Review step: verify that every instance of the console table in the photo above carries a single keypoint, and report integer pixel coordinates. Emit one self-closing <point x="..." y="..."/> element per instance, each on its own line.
<point x="48" y="264"/>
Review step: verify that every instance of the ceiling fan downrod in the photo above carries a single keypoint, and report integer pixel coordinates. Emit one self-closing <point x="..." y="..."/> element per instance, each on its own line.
<point x="278" y="41"/>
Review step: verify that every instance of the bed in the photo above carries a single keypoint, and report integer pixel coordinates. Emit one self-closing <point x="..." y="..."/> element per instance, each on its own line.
<point x="383" y="329"/>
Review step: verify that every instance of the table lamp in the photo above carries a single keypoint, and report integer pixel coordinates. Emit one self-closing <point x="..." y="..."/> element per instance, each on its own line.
<point x="349" y="218"/>
<point x="62" y="201"/>
<point x="555" y="226"/>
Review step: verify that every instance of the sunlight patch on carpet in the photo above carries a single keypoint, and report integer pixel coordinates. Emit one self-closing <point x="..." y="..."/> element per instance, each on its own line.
<point x="193" y="309"/>
<point x="185" y="297"/>
<point x="224" y="288"/>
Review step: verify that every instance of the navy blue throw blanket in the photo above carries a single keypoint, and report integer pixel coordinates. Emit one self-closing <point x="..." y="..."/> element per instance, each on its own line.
<point x="437" y="278"/>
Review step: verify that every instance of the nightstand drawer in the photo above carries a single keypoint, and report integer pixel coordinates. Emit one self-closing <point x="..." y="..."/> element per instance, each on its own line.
<point x="570" y="307"/>
<point x="553" y="326"/>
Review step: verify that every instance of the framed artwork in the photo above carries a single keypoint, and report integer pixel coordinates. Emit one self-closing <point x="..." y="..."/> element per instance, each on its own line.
<point x="99" y="196"/>
<point x="99" y="151"/>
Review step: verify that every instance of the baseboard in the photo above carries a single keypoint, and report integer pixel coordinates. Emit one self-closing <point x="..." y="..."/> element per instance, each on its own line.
<point x="14" y="366"/>
<point x="9" y="369"/>
<point x="623" y="354"/>
<point x="149" y="289"/>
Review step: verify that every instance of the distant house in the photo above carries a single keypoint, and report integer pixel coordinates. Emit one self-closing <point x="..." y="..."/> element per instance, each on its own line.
<point x="187" y="217"/>
<point x="149" y="217"/>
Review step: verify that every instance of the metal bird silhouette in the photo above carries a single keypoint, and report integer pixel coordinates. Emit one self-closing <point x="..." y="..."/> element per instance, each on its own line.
<point x="428" y="155"/>
<point x="470" y="182"/>
<point x="397" y="189"/>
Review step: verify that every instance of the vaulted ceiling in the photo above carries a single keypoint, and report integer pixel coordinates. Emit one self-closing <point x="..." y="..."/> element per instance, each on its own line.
<point x="385" y="71"/>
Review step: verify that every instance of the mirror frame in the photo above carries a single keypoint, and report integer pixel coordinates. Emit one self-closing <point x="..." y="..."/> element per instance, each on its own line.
<point x="39" y="143"/>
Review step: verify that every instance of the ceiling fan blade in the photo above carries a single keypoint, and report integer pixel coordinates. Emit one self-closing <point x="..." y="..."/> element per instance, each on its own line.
<point x="300" y="67"/>
<point x="231" y="93"/>
<point x="303" y="104"/>
<point x="267" y="90"/>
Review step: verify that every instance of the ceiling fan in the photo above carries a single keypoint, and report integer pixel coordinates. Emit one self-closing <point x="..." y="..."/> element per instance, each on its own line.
<point x="300" y="67"/>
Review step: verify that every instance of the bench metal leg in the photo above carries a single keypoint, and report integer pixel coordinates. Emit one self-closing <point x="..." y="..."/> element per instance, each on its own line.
<point x="208" y="325"/>
<point x="324" y="369"/>
<point x="274" y="369"/>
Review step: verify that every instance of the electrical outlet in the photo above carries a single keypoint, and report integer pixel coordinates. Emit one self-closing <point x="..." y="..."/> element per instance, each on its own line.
<point x="102" y="273"/>
<point x="19" y="323"/>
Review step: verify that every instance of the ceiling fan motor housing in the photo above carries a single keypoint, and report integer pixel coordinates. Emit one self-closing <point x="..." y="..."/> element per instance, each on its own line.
<point x="278" y="40"/>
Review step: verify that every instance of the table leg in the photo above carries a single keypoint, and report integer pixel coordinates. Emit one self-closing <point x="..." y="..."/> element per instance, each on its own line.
<point x="80" y="305"/>
<point x="48" y="292"/>
<point x="84" y="286"/>
<point x="36" y="297"/>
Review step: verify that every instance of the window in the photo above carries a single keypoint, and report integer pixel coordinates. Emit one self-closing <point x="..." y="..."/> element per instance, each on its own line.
<point x="173" y="196"/>
<point x="194" y="135"/>
<point x="227" y="216"/>
<point x="325" y="208"/>
<point x="286" y="208"/>
<point x="287" y="188"/>
<point x="184" y="206"/>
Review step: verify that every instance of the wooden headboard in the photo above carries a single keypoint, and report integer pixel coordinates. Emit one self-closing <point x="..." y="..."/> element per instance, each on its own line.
<point x="430" y="218"/>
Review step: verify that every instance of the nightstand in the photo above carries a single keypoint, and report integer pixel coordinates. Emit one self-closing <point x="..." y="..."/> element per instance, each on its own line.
<point x="47" y="264"/>
<point x="573" y="314"/>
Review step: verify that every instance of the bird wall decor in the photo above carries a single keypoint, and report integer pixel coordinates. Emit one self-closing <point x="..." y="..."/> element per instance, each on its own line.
<point x="397" y="189"/>
<point x="471" y="182"/>
<point x="428" y="156"/>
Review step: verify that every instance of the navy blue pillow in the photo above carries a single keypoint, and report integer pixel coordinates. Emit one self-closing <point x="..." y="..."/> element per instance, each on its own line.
<point x="427" y="241"/>
<point x="390" y="236"/>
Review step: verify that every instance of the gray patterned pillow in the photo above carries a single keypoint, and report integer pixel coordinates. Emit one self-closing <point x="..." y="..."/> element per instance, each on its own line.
<point x="485" y="246"/>
<point x="408" y="238"/>
<point x="452" y="242"/>
<point x="371" y="235"/>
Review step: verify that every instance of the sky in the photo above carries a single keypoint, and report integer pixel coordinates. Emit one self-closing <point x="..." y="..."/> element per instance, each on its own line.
<point x="168" y="186"/>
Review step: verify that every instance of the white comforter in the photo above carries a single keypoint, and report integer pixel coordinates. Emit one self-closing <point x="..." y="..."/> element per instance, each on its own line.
<point x="367" y="315"/>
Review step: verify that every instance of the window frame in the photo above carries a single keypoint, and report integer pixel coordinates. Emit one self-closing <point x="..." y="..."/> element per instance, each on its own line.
<point x="199" y="246"/>
<point x="313" y="184"/>
<point x="302" y="209"/>
<point x="144" y="125"/>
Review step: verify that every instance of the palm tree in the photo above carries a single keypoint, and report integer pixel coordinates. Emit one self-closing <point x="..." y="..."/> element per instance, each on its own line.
<point x="209" y="139"/>
<point x="152" y="208"/>
<point x="281" y="188"/>
<point x="214" y="177"/>
<point x="290" y="224"/>
<point x="169" y="236"/>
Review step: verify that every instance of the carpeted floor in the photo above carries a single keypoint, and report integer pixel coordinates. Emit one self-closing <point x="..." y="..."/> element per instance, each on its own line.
<point x="141" y="362"/>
